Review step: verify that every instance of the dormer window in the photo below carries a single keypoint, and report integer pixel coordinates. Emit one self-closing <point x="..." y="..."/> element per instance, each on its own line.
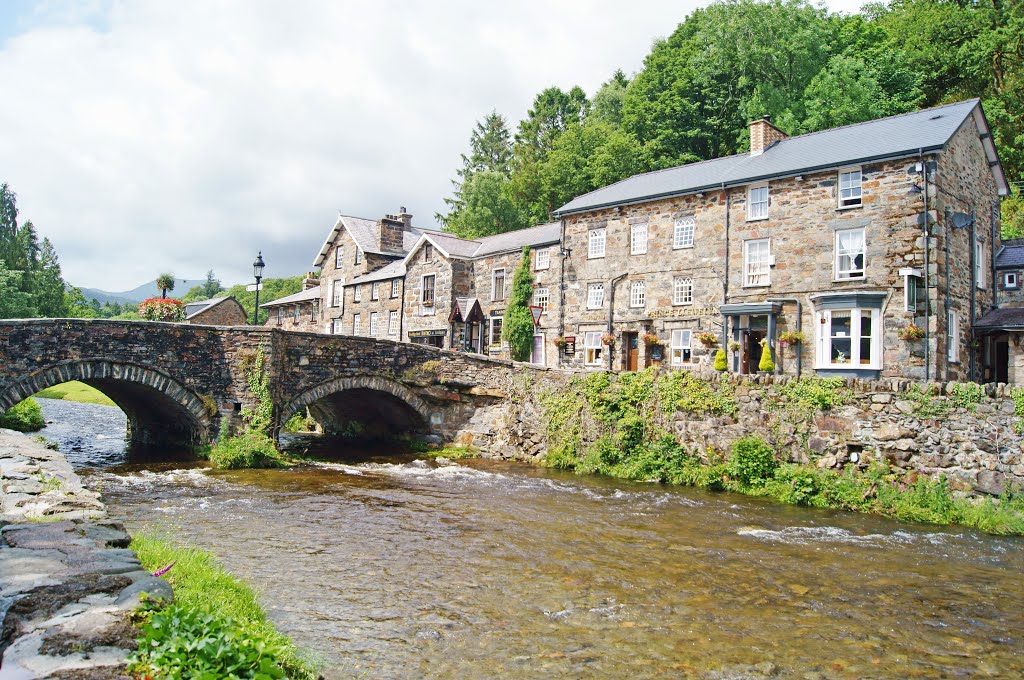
<point x="757" y="202"/>
<point x="850" y="189"/>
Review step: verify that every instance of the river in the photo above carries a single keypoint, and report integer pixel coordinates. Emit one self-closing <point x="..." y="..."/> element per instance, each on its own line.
<point x="386" y="566"/>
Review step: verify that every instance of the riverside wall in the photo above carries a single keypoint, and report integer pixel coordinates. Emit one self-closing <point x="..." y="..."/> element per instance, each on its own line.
<point x="68" y="580"/>
<point x="977" y="446"/>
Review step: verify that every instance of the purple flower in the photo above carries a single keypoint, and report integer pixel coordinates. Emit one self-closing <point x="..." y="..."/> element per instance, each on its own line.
<point x="161" y="572"/>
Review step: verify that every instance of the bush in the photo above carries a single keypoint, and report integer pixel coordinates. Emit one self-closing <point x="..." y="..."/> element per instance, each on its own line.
<point x="752" y="461"/>
<point x="246" y="450"/>
<point x="25" y="416"/>
<point x="720" y="360"/>
<point x="766" y="364"/>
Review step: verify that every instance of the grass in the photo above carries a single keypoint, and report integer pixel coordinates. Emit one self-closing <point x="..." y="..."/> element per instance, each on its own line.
<point x="451" y="453"/>
<point x="203" y="587"/>
<point x="76" y="391"/>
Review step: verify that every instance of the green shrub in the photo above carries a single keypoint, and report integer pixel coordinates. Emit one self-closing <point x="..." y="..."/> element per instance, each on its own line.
<point x="518" y="328"/>
<point x="967" y="395"/>
<point x="752" y="460"/>
<point x="766" y="364"/>
<point x="300" y="422"/>
<point x="720" y="360"/>
<point x="246" y="450"/>
<point x="25" y="416"/>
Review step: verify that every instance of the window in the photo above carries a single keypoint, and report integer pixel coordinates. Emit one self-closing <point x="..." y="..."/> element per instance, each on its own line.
<point x="393" y="323"/>
<point x="428" y="290"/>
<point x="359" y="256"/>
<point x="395" y="286"/>
<point x="595" y="296"/>
<point x="593" y="348"/>
<point x="683" y="234"/>
<point x="280" y="315"/>
<point x="373" y="324"/>
<point x="638" y="239"/>
<point x="680" y="347"/>
<point x="637" y="294"/>
<point x="849" y="338"/>
<point x="979" y="264"/>
<point x="497" y="284"/>
<point x="296" y="312"/>
<point x="682" y="291"/>
<point x="543" y="259"/>
<point x="375" y="290"/>
<point x="355" y="324"/>
<point x="1010" y="280"/>
<point x="336" y="326"/>
<point x="595" y="247"/>
<point x="850" y="252"/>
<point x="756" y="263"/>
<point x="496" y="331"/>
<point x="339" y="257"/>
<point x="336" y="288"/>
<point x="757" y="202"/>
<point x="540" y="298"/>
<point x="850" y="188"/>
<point x="357" y="293"/>
<point x="953" y="337"/>
<point x="910" y="294"/>
<point x="314" y="310"/>
<point x="428" y="252"/>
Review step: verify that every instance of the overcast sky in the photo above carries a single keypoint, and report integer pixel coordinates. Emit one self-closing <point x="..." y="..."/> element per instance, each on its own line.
<point x="148" y="136"/>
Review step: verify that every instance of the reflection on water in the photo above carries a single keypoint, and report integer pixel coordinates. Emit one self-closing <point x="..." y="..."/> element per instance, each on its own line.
<point x="410" y="569"/>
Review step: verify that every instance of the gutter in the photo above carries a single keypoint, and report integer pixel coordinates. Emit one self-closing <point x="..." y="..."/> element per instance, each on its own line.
<point x="611" y="309"/>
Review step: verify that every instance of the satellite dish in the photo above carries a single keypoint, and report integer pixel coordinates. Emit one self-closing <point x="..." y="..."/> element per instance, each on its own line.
<point x="961" y="220"/>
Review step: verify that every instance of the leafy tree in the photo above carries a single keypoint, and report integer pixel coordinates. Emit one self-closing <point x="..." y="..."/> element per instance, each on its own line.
<point x="14" y="302"/>
<point x="487" y="207"/>
<point x="552" y="112"/>
<point x="843" y="92"/>
<point x="1013" y="216"/>
<point x="609" y="98"/>
<point x="272" y="290"/>
<point x="517" y="329"/>
<point x="490" y="152"/>
<point x="165" y="282"/>
<point x="76" y="306"/>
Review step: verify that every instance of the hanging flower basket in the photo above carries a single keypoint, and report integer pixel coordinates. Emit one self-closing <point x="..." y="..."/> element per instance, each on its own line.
<point x="650" y="339"/>
<point x="735" y="345"/>
<point x="608" y="339"/>
<point x="910" y="332"/>
<point x="559" y="341"/>
<point x="708" y="339"/>
<point x="162" y="309"/>
<point x="790" y="338"/>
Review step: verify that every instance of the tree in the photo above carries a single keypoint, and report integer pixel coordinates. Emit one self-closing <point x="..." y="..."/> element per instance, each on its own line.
<point x="842" y="93"/>
<point x="517" y="329"/>
<point x="490" y="151"/>
<point x="488" y="207"/>
<point x="211" y="286"/>
<point x="609" y="98"/>
<point x="1013" y="216"/>
<point x="552" y="112"/>
<point x="48" y="283"/>
<point x="165" y="282"/>
<point x="14" y="302"/>
<point x="76" y="306"/>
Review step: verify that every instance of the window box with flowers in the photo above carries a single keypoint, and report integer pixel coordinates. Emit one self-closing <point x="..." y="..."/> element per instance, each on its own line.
<point x="650" y="339"/>
<point x="708" y="339"/>
<point x="910" y="332"/>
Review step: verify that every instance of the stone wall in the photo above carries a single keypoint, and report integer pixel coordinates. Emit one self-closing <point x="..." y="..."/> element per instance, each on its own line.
<point x="227" y="313"/>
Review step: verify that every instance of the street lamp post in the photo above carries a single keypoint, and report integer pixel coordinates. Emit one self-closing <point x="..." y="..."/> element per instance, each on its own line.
<point x="257" y="270"/>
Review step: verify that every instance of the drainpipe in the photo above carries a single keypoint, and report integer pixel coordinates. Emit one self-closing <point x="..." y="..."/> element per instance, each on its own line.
<point x="563" y="255"/>
<point x="946" y="274"/>
<point x="799" y="323"/>
<point x="725" y="281"/>
<point x="974" y="292"/>
<point x="927" y="264"/>
<point x="992" y="223"/>
<point x="611" y="309"/>
<point x="401" y="314"/>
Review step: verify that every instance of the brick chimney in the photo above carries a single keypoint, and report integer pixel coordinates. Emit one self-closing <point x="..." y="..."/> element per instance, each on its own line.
<point x="405" y="216"/>
<point x="391" y="228"/>
<point x="763" y="134"/>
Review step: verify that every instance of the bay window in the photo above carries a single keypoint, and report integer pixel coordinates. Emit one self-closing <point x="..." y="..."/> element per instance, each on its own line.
<point x="849" y="338"/>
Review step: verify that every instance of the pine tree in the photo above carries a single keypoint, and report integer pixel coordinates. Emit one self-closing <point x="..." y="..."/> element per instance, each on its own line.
<point x="490" y="151"/>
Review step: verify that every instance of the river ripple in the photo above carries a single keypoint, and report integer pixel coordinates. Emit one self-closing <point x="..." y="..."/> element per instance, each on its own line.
<point x="389" y="567"/>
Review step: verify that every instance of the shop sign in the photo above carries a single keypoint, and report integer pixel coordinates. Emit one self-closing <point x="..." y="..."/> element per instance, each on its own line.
<point x="684" y="312"/>
<point x="570" y="346"/>
<point x="429" y="333"/>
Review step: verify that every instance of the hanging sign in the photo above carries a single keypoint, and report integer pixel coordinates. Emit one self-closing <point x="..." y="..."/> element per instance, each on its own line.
<point x="570" y="346"/>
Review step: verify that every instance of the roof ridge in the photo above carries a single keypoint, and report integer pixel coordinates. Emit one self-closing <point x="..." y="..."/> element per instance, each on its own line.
<point x="656" y="172"/>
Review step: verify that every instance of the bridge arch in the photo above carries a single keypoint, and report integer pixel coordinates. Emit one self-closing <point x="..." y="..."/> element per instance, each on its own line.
<point x="380" y="406"/>
<point x="160" y="409"/>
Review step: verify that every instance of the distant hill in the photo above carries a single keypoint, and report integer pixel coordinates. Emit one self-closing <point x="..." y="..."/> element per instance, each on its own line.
<point x="140" y="293"/>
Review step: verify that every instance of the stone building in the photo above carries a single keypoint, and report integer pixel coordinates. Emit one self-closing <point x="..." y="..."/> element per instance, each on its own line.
<point x="816" y="241"/>
<point x="1003" y="327"/>
<point x="298" y="311"/>
<point x="220" y="311"/>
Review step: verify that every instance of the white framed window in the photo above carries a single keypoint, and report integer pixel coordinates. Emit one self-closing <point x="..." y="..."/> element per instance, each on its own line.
<point x="979" y="265"/>
<point x="296" y="312"/>
<point x="593" y="349"/>
<point x="910" y="294"/>
<point x="682" y="236"/>
<point x="427" y="288"/>
<point x="757" y="202"/>
<point x="495" y="339"/>
<point x="638" y="239"/>
<point x="850" y="190"/>
<point x="314" y="309"/>
<point x="375" y="290"/>
<point x="359" y="256"/>
<point x="850" y="250"/>
<point x="357" y="293"/>
<point x="682" y="290"/>
<point x="280" y="315"/>
<point x="395" y="287"/>
<point x="637" y="294"/>
<point x="540" y="298"/>
<point x="392" y="323"/>
<point x="757" y="262"/>
<point x="355" y="324"/>
<point x="373" y="324"/>
<point x="680" y="346"/>
<point x="543" y="259"/>
<point x="595" y="244"/>
<point x="337" y="286"/>
<point x="428" y="252"/>
<point x="339" y="257"/>
<point x="849" y="338"/>
<point x="497" y="284"/>
<point x="336" y="326"/>
<point x="1011" y="281"/>
<point x="595" y="296"/>
<point x="953" y="337"/>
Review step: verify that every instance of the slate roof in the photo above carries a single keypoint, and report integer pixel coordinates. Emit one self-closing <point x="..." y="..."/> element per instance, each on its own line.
<point x="392" y="270"/>
<point x="302" y="296"/>
<point x="1004" y="318"/>
<point x="200" y="306"/>
<point x="466" y="249"/>
<point x="895" y="137"/>
<point x="366" y="234"/>
<point x="1011" y="255"/>
<point x="466" y="308"/>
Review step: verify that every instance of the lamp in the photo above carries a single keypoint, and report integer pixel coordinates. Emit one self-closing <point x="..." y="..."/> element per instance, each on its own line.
<point x="914" y="189"/>
<point x="257" y="271"/>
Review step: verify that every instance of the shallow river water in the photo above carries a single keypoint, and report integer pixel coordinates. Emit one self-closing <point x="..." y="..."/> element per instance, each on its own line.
<point x="391" y="567"/>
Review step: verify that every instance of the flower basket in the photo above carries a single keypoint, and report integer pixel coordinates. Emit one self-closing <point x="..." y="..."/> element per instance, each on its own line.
<point x="910" y="332"/>
<point x="708" y="339"/>
<point x="608" y="339"/>
<point x="650" y="339"/>
<point x="735" y="345"/>
<point x="790" y="338"/>
<point x="559" y="341"/>
<point x="162" y="309"/>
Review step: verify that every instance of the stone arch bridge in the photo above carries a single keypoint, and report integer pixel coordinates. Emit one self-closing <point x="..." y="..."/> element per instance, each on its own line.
<point x="177" y="382"/>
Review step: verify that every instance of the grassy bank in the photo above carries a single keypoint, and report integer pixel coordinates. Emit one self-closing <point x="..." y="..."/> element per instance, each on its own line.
<point x="76" y="391"/>
<point x="619" y="427"/>
<point x="216" y="623"/>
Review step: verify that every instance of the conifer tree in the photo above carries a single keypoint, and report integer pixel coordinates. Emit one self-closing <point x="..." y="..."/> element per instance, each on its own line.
<point x="517" y="329"/>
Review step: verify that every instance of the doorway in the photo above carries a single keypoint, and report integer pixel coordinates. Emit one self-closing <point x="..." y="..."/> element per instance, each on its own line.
<point x="1002" y="367"/>
<point x="632" y="343"/>
<point x="752" y="350"/>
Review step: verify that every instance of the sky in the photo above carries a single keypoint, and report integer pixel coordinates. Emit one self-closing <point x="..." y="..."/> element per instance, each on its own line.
<point x="148" y="136"/>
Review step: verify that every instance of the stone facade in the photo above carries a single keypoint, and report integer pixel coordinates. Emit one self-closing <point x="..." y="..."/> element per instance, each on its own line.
<point x="222" y="312"/>
<point x="298" y="312"/>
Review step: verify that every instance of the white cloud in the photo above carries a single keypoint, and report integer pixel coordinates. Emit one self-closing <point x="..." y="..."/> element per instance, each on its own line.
<point x="152" y="136"/>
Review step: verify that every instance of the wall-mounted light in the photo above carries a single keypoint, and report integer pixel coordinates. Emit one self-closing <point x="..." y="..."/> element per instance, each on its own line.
<point x="565" y="252"/>
<point x="914" y="189"/>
